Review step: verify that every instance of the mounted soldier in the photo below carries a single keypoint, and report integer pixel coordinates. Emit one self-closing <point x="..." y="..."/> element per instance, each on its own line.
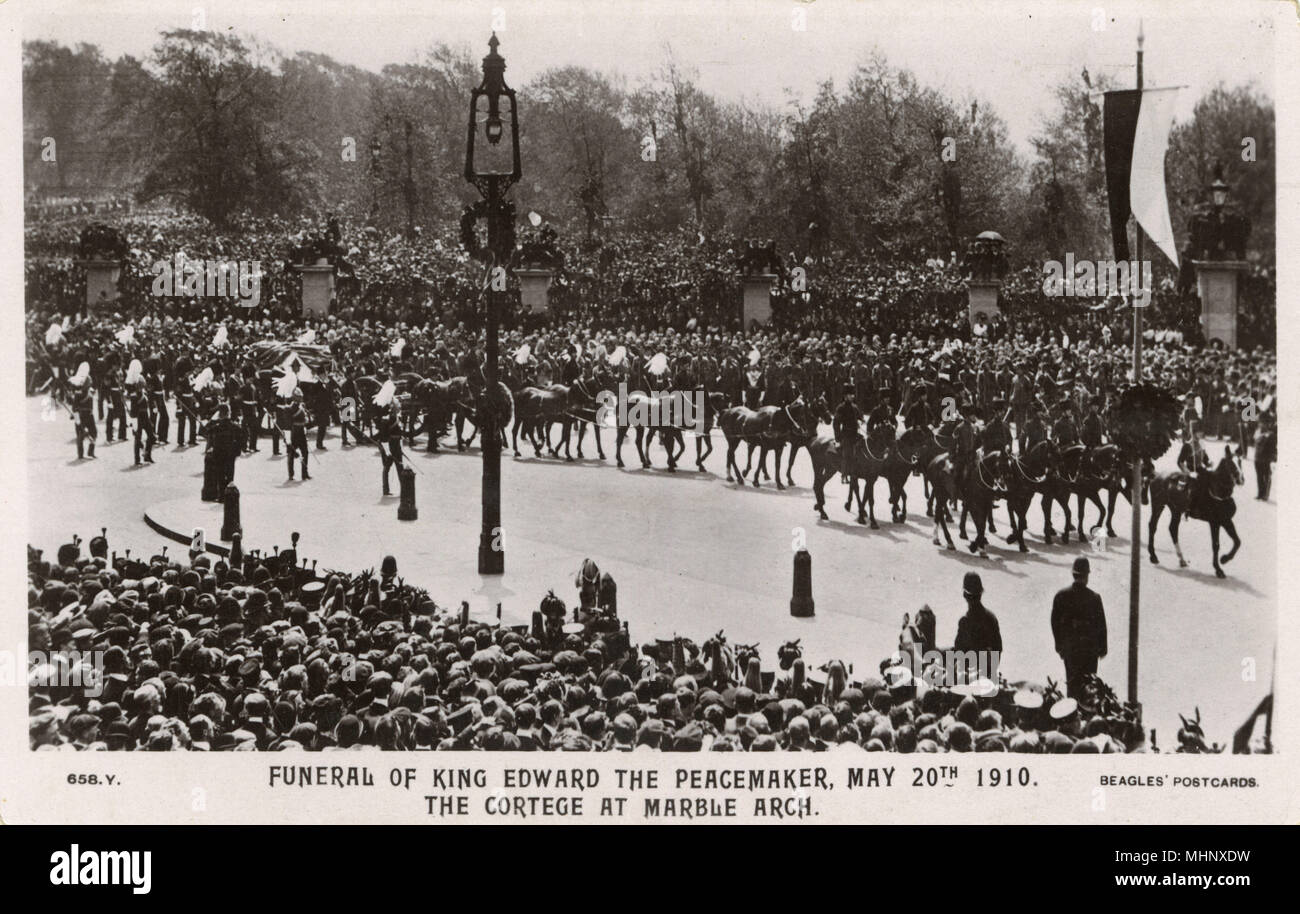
<point x="845" y="426"/>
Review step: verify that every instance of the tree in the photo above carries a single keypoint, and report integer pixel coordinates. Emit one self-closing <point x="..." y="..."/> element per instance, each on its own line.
<point x="215" y="112"/>
<point x="581" y="150"/>
<point x="1228" y="126"/>
<point x="64" y="95"/>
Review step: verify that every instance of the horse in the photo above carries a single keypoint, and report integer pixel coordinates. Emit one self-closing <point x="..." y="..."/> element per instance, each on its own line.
<point x="983" y="485"/>
<point x="1173" y="490"/>
<point x="821" y="413"/>
<point x="1026" y="475"/>
<point x="904" y="460"/>
<point x="866" y="463"/>
<point x="439" y="400"/>
<point x="714" y="402"/>
<point x="767" y="428"/>
<point x="536" y="408"/>
<point x="469" y="407"/>
<point x="660" y="412"/>
<point x="583" y="411"/>
<point x="1078" y="475"/>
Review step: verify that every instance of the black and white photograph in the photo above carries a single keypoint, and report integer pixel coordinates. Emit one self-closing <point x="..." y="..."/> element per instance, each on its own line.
<point x="649" y="378"/>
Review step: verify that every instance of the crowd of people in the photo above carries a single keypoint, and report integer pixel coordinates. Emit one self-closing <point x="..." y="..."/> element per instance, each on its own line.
<point x="637" y="281"/>
<point x="253" y="651"/>
<point x="248" y="654"/>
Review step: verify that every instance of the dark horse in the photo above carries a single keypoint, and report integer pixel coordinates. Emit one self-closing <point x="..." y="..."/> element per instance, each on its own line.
<point x="1173" y="489"/>
<point x="983" y="486"/>
<point x="1026" y="476"/>
<point x="821" y="413"/>
<point x="866" y="464"/>
<point x="767" y="428"/>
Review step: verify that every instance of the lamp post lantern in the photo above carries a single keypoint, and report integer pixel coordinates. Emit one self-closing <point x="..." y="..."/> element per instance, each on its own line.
<point x="500" y="214"/>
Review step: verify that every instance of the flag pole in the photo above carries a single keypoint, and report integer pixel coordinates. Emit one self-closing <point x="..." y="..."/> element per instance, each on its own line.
<point x="1135" y="495"/>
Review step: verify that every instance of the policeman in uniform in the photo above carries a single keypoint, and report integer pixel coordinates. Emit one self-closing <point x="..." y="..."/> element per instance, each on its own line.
<point x="845" y="426"/>
<point x="223" y="437"/>
<point x="296" y="414"/>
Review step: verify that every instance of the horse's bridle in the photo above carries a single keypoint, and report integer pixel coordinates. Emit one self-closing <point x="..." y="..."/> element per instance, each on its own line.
<point x="1019" y="464"/>
<point x="979" y="471"/>
<point x="866" y="446"/>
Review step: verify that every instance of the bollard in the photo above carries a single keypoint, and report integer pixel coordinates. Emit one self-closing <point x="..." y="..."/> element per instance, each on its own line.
<point x="801" y="603"/>
<point x="539" y="628"/>
<point x="237" y="551"/>
<point x="406" y="509"/>
<point x="230" y="519"/>
<point x="211" y="477"/>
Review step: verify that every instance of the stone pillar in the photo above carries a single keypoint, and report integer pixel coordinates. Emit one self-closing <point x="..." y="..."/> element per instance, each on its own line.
<point x="317" y="288"/>
<point x="230" y="525"/>
<point x="101" y="283"/>
<point x="758" y="299"/>
<point x="406" y="509"/>
<point x="211" y="477"/>
<point x="801" y="601"/>
<point x="533" y="286"/>
<point x="1217" y="285"/>
<point x="982" y="298"/>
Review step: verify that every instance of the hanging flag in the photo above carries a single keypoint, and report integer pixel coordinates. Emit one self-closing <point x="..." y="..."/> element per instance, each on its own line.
<point x="1136" y="135"/>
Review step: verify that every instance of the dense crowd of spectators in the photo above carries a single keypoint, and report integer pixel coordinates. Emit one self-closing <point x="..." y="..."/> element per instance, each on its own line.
<point x="255" y="652"/>
<point x="636" y="280"/>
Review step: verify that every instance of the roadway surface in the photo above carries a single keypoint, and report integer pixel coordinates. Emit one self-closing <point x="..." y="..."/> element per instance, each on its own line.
<point x="693" y="554"/>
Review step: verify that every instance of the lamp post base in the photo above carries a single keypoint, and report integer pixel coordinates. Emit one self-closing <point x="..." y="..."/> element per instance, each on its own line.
<point x="491" y="558"/>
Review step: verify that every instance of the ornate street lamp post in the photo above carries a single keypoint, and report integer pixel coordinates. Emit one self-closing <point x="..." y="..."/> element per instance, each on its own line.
<point x="500" y="215"/>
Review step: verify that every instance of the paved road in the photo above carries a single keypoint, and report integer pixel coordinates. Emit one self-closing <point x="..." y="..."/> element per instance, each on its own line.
<point x="693" y="554"/>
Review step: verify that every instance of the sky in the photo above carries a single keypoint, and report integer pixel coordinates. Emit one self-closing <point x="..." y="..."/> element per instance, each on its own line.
<point x="1011" y="54"/>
